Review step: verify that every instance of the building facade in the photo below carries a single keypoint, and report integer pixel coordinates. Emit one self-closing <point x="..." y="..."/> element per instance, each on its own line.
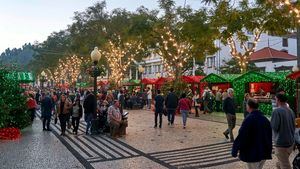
<point x="286" y="44"/>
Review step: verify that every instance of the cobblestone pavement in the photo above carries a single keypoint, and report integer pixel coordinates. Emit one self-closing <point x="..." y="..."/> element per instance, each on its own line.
<point x="201" y="145"/>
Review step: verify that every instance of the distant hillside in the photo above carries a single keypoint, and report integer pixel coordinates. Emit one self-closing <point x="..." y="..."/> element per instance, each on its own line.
<point x="20" y="57"/>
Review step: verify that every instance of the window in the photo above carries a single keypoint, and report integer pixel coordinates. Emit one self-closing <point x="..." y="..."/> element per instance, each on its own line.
<point x="285" y="42"/>
<point x="211" y="61"/>
<point x="250" y="45"/>
<point x="159" y="68"/>
<point x="149" y="69"/>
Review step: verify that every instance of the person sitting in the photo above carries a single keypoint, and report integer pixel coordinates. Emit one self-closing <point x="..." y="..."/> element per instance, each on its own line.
<point x="117" y="125"/>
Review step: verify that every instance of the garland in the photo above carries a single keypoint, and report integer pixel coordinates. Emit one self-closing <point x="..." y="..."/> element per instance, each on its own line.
<point x="10" y="133"/>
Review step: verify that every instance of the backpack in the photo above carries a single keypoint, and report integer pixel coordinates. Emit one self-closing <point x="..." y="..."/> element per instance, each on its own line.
<point x="207" y="96"/>
<point x="296" y="162"/>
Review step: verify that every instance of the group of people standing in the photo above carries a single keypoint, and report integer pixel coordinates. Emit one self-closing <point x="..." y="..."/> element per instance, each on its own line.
<point x="70" y="107"/>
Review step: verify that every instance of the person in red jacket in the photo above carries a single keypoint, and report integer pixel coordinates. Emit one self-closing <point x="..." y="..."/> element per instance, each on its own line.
<point x="184" y="106"/>
<point x="31" y="106"/>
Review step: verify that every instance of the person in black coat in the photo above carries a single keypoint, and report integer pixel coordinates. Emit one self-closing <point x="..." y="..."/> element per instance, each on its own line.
<point x="159" y="108"/>
<point x="46" y="108"/>
<point x="254" y="141"/>
<point x="171" y="103"/>
<point x="90" y="108"/>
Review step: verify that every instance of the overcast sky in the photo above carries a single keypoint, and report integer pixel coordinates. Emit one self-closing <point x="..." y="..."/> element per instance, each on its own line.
<point x="23" y="21"/>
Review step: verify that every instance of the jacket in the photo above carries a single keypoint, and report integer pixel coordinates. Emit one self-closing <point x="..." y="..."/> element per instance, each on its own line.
<point x="67" y="107"/>
<point x="90" y="104"/>
<point x="229" y="106"/>
<point x="254" y="141"/>
<point x="185" y="104"/>
<point x="283" y="125"/>
<point x="46" y="107"/>
<point x="171" y="101"/>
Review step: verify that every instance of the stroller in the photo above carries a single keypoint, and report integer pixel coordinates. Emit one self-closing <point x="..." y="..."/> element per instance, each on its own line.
<point x="99" y="123"/>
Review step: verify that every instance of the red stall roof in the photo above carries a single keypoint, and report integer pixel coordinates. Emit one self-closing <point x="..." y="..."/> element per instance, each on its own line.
<point x="148" y="81"/>
<point x="294" y="75"/>
<point x="192" y="79"/>
<point x="163" y="80"/>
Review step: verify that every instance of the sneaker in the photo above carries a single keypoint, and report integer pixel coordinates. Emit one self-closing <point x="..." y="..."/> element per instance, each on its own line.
<point x="44" y="129"/>
<point x="226" y="135"/>
<point x="155" y="126"/>
<point x="183" y="127"/>
<point x="169" y="123"/>
<point x="160" y="126"/>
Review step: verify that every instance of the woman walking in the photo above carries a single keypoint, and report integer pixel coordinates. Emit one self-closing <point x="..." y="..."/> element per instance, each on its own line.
<point x="63" y="109"/>
<point x="76" y="116"/>
<point x="184" y="107"/>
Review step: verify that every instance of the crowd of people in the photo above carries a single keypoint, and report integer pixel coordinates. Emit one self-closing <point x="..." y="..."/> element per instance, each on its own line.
<point x="105" y="111"/>
<point x="102" y="112"/>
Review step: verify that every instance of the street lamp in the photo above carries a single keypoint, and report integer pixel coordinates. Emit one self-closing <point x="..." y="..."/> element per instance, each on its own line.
<point x="43" y="78"/>
<point x="95" y="56"/>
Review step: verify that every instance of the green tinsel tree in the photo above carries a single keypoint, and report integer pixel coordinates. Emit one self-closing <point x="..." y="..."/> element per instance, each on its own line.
<point x="12" y="102"/>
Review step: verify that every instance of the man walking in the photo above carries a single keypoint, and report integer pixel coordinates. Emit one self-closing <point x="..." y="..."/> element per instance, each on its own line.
<point x="46" y="108"/>
<point x="229" y="109"/>
<point x="254" y="141"/>
<point x="159" y="108"/>
<point x="90" y="107"/>
<point x="171" y="105"/>
<point x="283" y="125"/>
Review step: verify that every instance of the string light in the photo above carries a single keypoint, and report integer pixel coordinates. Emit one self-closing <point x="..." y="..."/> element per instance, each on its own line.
<point x="175" y="54"/>
<point x="119" y="57"/>
<point x="68" y="69"/>
<point x="243" y="58"/>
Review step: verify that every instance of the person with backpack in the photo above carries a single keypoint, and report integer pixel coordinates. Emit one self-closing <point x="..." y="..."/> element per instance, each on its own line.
<point x="184" y="106"/>
<point x="254" y="141"/>
<point x="283" y="125"/>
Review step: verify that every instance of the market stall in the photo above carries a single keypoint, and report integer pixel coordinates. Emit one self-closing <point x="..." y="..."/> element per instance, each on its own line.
<point x="261" y="86"/>
<point x="295" y="76"/>
<point x="218" y="81"/>
<point x="194" y="82"/>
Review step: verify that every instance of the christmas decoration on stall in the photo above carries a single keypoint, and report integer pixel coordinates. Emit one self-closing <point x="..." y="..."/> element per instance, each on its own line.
<point x="175" y="54"/>
<point x="239" y="85"/>
<point x="119" y="56"/>
<point x="68" y="70"/>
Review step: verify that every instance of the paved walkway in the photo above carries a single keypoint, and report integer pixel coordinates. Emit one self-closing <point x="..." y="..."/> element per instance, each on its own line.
<point x="201" y="145"/>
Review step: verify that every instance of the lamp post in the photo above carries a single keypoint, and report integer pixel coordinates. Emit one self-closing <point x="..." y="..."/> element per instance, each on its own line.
<point x="43" y="78"/>
<point x="95" y="56"/>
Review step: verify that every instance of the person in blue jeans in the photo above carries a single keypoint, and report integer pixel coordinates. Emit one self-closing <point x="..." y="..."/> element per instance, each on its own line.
<point x="90" y="107"/>
<point x="185" y="106"/>
<point x="171" y="103"/>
